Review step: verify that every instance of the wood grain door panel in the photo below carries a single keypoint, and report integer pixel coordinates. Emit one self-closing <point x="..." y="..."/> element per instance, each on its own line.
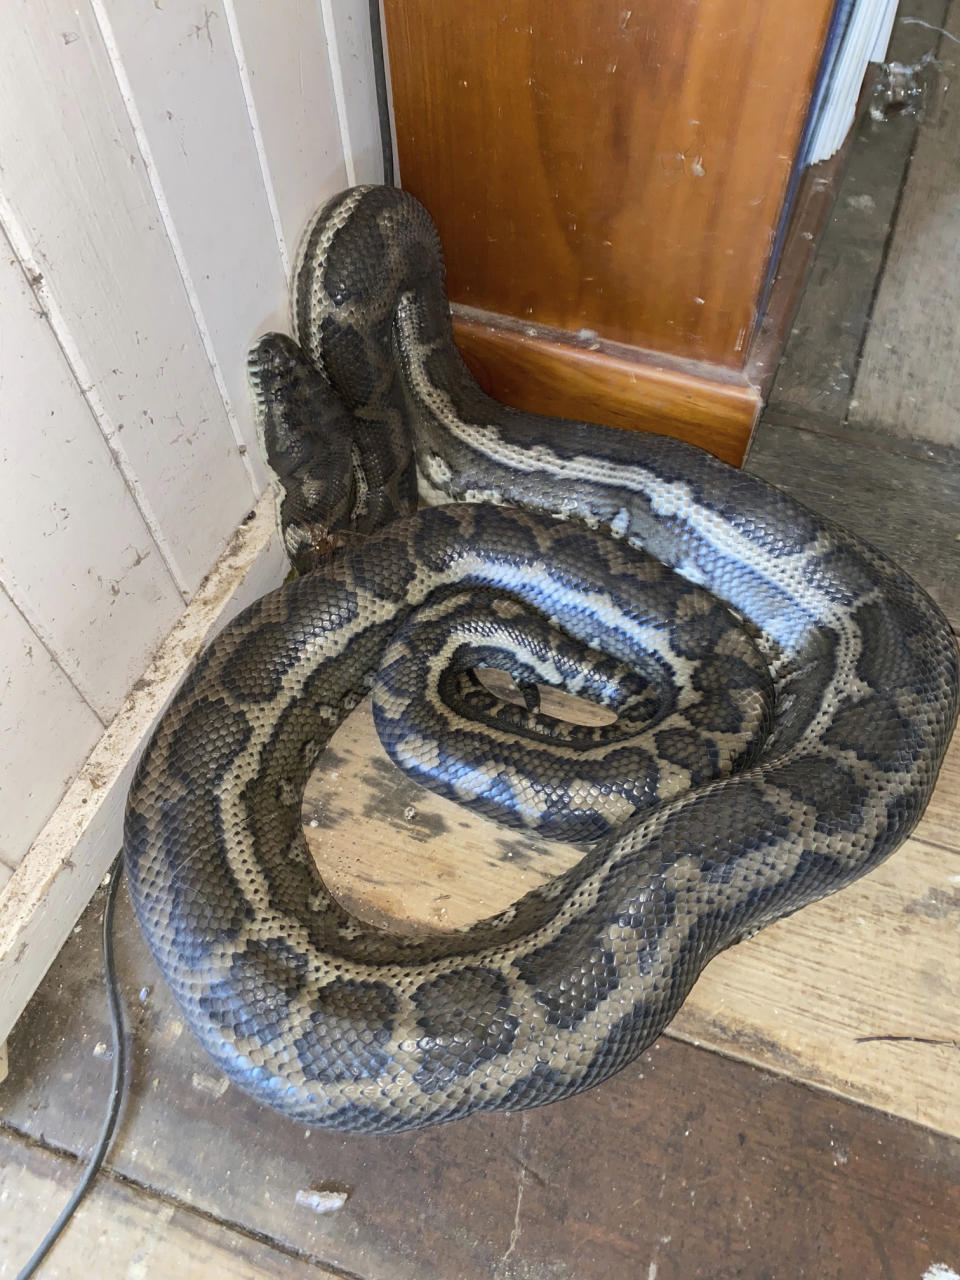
<point x="619" y="167"/>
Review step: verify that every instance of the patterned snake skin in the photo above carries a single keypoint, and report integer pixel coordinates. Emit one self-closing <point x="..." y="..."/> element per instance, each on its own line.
<point x="784" y="697"/>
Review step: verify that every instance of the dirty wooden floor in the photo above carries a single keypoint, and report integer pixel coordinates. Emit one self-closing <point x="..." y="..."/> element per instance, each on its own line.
<point x="801" y="1119"/>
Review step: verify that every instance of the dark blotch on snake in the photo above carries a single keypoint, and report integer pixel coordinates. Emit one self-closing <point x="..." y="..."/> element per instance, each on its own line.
<point x="349" y="1026"/>
<point x="690" y="751"/>
<point x="875" y="730"/>
<point x="743" y="821"/>
<point x="885" y="661"/>
<point x="542" y="1084"/>
<point x="259" y="662"/>
<point x="701" y="628"/>
<point x="341" y="279"/>
<point x="265" y="977"/>
<point x="837" y="800"/>
<point x="385" y="569"/>
<point x="569" y="993"/>
<point x="442" y="528"/>
<point x="465" y="1018"/>
<point x="345" y="350"/>
<point x="210" y="731"/>
<point x="719" y="679"/>
<point x="209" y="907"/>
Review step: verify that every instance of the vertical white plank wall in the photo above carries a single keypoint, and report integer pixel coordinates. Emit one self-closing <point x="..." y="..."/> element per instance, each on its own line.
<point x="157" y="165"/>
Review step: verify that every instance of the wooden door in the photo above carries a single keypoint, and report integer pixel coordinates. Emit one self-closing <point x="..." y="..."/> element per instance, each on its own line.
<point x="612" y="178"/>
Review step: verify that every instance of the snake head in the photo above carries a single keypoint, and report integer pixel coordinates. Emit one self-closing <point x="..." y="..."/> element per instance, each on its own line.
<point x="308" y="441"/>
<point x="280" y="373"/>
<point x="301" y="417"/>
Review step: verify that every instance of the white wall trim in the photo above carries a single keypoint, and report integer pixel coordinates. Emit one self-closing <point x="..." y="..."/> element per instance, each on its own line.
<point x="865" y="41"/>
<point x="44" y="897"/>
<point x="339" y="93"/>
<point x="44" y="638"/>
<point x="243" y="70"/>
<point x="19" y="243"/>
<point x="170" y="226"/>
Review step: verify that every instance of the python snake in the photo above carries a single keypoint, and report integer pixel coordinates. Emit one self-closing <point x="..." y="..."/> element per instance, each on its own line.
<point x="784" y="697"/>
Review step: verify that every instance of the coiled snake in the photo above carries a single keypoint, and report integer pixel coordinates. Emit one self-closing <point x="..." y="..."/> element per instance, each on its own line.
<point x="784" y="696"/>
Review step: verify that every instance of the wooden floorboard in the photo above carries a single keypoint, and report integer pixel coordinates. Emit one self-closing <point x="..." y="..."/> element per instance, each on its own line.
<point x="820" y="365"/>
<point x="122" y="1229"/>
<point x="857" y="994"/>
<point x="909" y="378"/>
<point x="906" y="506"/>
<point x="687" y="1164"/>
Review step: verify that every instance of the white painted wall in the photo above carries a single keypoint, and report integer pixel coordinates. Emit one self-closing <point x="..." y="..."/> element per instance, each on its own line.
<point x="865" y="40"/>
<point x="157" y="164"/>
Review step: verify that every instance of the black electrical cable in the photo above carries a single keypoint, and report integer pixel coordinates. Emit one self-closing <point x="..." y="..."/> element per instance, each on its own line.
<point x="383" y="101"/>
<point x="116" y="1087"/>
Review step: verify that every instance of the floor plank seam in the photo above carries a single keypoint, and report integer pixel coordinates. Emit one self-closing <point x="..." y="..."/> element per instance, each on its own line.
<point x="733" y="1052"/>
<point x="881" y="272"/>
<point x="935" y="1041"/>
<point x="882" y="439"/>
<point x="936" y="844"/>
<point x="28" y="1139"/>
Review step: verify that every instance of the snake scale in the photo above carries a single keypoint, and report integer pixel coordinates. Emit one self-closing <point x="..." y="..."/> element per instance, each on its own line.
<point x="784" y="697"/>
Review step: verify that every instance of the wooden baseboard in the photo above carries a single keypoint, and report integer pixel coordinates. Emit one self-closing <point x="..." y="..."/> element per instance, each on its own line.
<point x="812" y="205"/>
<point x="42" y="900"/>
<point x="817" y="192"/>
<point x="577" y="376"/>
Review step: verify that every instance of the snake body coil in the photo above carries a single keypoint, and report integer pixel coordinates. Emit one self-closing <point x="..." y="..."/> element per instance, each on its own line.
<point x="784" y="695"/>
